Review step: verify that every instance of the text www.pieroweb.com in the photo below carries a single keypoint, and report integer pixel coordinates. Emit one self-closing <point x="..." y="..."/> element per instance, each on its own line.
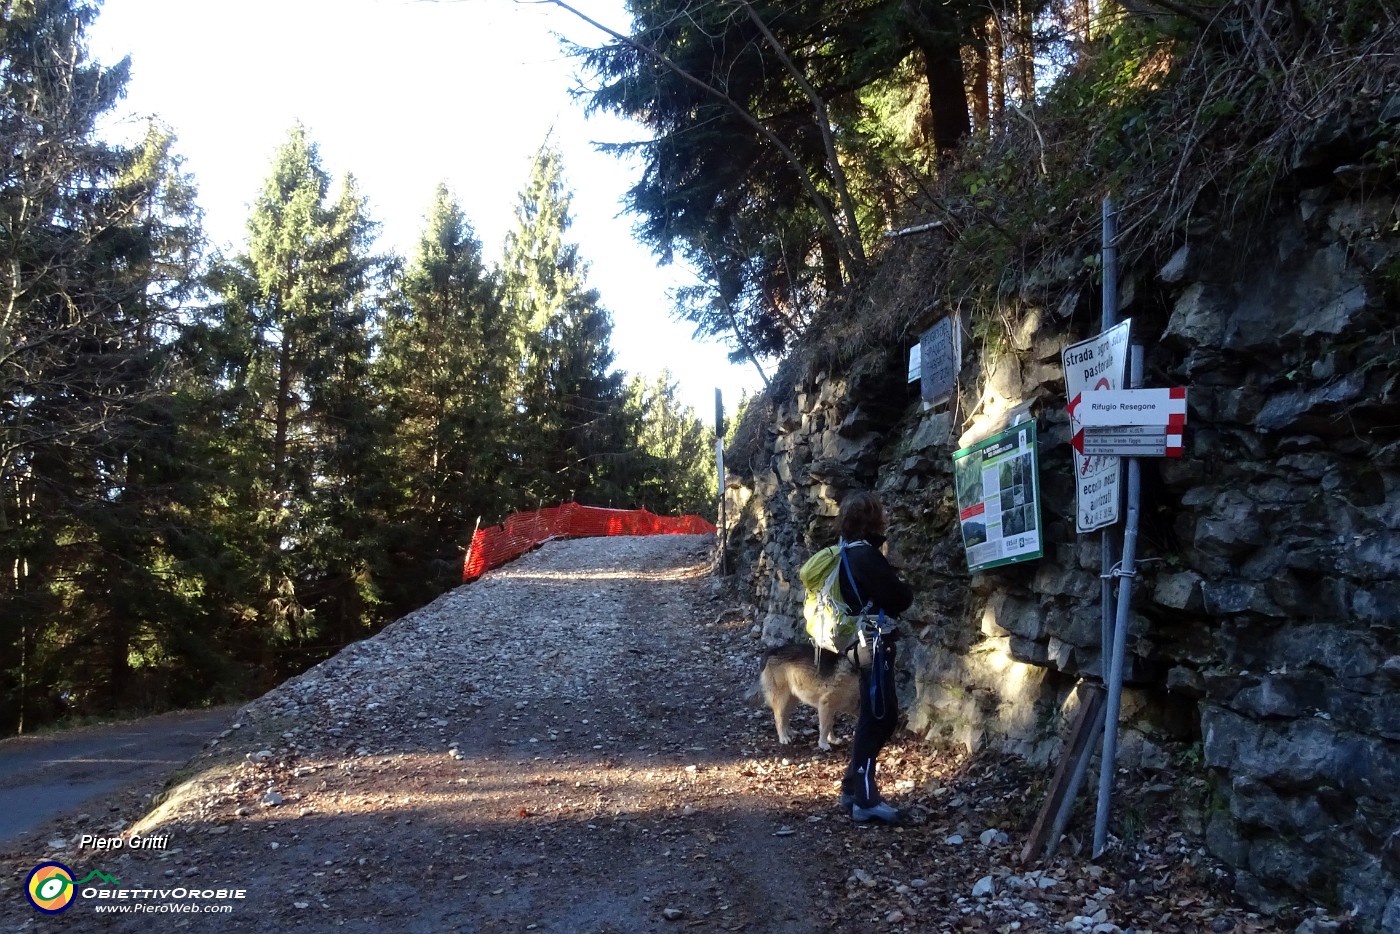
<point x="169" y="908"/>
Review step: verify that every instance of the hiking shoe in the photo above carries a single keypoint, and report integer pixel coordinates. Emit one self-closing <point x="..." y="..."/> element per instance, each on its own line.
<point x="848" y="800"/>
<point x="879" y="812"/>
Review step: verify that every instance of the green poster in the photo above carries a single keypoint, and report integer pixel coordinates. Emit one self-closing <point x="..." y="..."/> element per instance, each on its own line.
<point x="998" y="485"/>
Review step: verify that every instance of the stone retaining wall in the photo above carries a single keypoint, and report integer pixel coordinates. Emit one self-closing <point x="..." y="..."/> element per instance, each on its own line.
<point x="1266" y="617"/>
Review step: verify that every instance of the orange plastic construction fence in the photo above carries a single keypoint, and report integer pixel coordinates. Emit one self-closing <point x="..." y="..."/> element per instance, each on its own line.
<point x="494" y="546"/>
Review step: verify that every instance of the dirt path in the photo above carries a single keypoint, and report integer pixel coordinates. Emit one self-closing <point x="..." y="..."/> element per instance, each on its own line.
<point x="562" y="746"/>
<point x="543" y="750"/>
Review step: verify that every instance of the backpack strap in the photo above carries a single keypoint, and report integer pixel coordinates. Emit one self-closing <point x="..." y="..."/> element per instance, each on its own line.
<point x="855" y="589"/>
<point x="878" y="671"/>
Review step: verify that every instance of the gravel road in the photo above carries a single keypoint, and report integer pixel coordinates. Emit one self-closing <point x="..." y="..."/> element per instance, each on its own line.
<point x="563" y="746"/>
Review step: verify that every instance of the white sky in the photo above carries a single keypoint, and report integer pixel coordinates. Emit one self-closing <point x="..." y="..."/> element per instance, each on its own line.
<point x="405" y="94"/>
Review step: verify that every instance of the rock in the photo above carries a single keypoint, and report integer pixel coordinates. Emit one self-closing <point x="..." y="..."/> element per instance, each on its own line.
<point x="1178" y="591"/>
<point x="672" y="914"/>
<point x="1004" y="613"/>
<point x="1186" y="681"/>
<point x="953" y="840"/>
<point x="894" y="917"/>
<point x="1310" y="410"/>
<point x="1321" y="293"/>
<point x="933" y="432"/>
<point x="983" y="888"/>
<point x="1176" y="268"/>
<point x="1224" y="598"/>
<point x="271" y="799"/>
<point x="1198" y="319"/>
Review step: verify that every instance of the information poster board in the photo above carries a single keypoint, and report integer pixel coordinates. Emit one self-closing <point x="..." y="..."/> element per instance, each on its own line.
<point x="998" y="483"/>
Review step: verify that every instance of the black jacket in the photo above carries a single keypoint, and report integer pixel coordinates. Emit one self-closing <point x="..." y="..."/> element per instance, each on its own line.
<point x="879" y="584"/>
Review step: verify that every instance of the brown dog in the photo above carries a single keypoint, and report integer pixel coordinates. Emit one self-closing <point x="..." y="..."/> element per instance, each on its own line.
<point x="790" y="673"/>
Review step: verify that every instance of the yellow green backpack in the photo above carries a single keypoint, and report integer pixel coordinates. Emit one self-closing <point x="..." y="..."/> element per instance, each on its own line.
<point x="830" y="623"/>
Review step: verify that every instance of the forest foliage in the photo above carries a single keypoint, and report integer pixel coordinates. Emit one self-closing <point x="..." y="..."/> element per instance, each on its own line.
<point x="803" y="155"/>
<point x="216" y="470"/>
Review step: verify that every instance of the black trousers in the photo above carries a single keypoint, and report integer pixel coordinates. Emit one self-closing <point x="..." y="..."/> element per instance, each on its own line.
<point x="879" y="715"/>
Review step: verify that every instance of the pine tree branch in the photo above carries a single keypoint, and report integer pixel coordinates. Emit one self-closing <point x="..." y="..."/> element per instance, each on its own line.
<point x="838" y="174"/>
<point x="803" y="176"/>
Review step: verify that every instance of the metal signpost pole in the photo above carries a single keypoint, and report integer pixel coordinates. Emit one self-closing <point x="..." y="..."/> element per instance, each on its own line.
<point x="1110" y="318"/>
<point x="1081" y="767"/>
<point x="719" y="465"/>
<point x="1114" y="677"/>
<point x="1091" y="367"/>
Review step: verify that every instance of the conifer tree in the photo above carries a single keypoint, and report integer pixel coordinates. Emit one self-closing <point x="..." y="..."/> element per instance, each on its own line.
<point x="571" y="435"/>
<point x="446" y="372"/>
<point x="673" y="449"/>
<point x="293" y="337"/>
<point x="92" y="236"/>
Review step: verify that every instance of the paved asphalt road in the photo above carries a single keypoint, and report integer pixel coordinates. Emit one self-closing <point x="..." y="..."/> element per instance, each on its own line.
<point x="44" y="776"/>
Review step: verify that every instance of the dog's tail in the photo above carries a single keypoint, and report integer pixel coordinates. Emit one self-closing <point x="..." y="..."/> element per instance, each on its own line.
<point x="754" y="697"/>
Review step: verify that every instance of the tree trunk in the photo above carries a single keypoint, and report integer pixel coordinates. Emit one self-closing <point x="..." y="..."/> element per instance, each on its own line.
<point x="823" y="122"/>
<point x="282" y="418"/>
<point x="947" y="98"/>
<point x="996" y="65"/>
<point x="977" y="81"/>
<point x="1025" y="52"/>
<point x="118" y="663"/>
<point x="831" y="265"/>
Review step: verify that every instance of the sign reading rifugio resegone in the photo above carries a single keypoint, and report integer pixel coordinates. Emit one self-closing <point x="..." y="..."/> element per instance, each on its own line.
<point x="998" y="483"/>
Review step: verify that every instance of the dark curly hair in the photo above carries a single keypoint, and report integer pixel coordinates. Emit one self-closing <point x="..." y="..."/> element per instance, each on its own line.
<point x="862" y="515"/>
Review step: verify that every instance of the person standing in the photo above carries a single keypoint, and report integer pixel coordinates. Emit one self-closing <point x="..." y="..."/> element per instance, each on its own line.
<point x="872" y="588"/>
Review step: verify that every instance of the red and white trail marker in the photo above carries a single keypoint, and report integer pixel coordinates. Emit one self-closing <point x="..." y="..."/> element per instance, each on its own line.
<point x="1129" y="422"/>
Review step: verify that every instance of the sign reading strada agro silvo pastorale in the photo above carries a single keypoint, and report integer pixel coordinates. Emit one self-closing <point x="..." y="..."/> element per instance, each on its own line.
<point x="1091" y="366"/>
